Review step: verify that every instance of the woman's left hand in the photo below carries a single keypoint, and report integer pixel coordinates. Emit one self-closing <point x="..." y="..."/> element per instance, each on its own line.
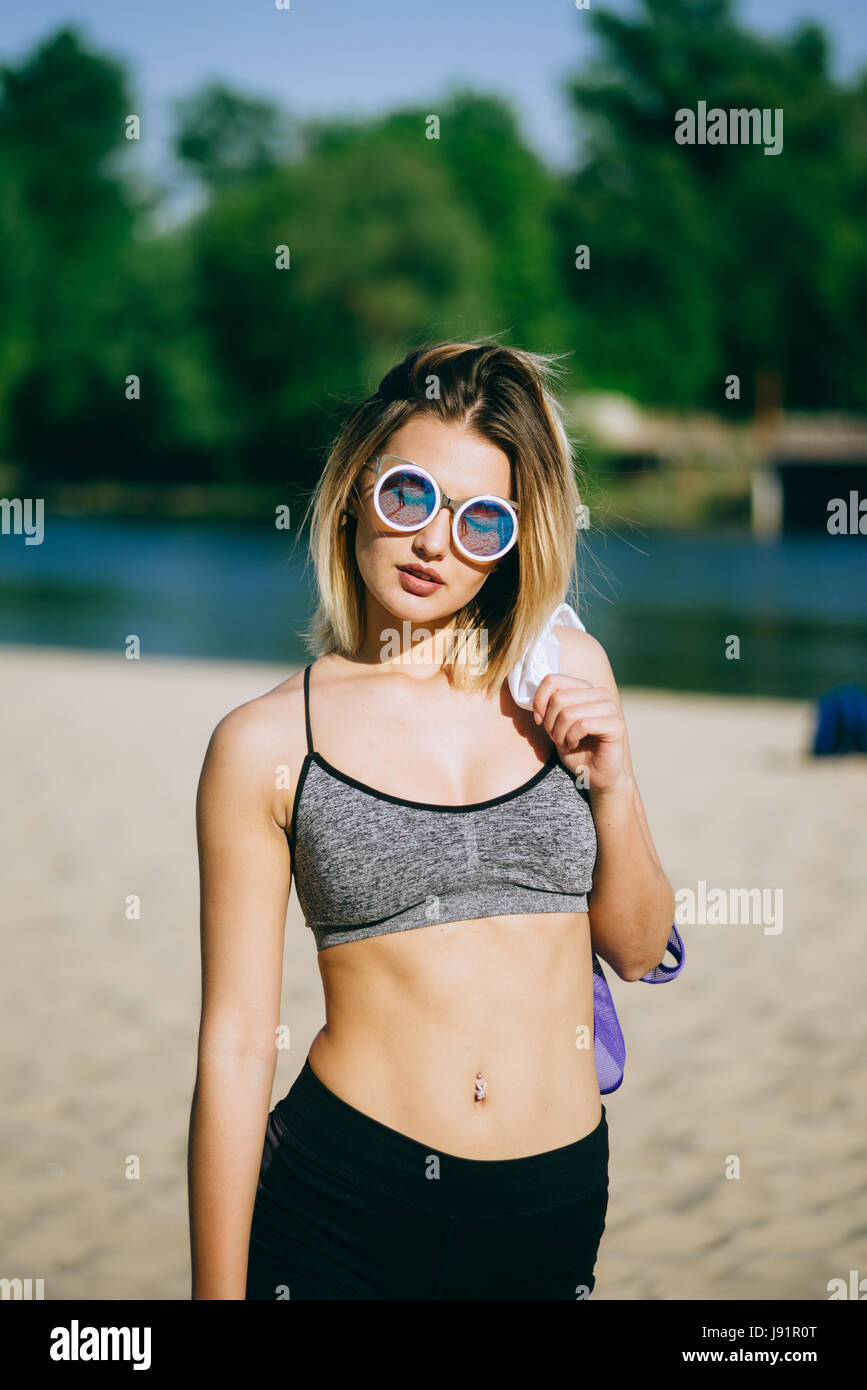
<point x="585" y="725"/>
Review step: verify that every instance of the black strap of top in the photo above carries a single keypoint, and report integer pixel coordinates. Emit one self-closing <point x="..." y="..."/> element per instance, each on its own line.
<point x="307" y="707"/>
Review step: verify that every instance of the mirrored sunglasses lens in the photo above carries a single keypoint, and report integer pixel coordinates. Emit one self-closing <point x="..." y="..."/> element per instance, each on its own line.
<point x="407" y="498"/>
<point x="485" y="528"/>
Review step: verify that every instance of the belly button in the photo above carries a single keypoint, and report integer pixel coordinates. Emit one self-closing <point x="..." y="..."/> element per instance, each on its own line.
<point x="481" y="1087"/>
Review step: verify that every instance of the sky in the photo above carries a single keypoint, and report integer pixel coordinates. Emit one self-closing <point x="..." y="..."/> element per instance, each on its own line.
<point x="324" y="57"/>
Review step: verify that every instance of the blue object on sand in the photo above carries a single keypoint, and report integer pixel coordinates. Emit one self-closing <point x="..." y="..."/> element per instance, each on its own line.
<point x="841" y="725"/>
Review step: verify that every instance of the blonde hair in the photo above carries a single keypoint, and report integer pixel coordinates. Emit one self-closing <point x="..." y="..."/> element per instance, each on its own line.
<point x="505" y="395"/>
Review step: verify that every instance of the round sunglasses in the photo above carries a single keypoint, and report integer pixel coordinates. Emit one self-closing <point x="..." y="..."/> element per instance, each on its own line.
<point x="406" y="497"/>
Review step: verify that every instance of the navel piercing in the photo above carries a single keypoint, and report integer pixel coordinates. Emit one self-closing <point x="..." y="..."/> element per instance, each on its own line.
<point x="481" y="1087"/>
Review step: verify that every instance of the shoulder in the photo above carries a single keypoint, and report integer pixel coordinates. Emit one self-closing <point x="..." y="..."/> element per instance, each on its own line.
<point x="584" y="655"/>
<point x="258" y="723"/>
<point x="257" y="740"/>
<point x="581" y="654"/>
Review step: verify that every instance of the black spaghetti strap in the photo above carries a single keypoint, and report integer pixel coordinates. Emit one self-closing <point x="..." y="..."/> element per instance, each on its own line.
<point x="307" y="707"/>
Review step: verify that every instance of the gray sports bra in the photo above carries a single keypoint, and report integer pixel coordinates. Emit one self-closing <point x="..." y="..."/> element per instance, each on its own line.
<point x="366" y="863"/>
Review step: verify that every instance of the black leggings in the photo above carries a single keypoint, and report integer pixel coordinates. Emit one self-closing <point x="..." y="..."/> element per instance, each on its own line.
<point x="347" y="1208"/>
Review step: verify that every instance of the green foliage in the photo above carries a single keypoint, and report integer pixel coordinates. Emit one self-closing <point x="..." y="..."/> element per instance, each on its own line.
<point x="496" y="175"/>
<point x="704" y="260"/>
<point x="66" y="222"/>
<point x="379" y="251"/>
<point x="224" y="135"/>
<point x="715" y="258"/>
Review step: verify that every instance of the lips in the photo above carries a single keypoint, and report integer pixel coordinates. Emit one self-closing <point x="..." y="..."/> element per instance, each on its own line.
<point x="430" y="576"/>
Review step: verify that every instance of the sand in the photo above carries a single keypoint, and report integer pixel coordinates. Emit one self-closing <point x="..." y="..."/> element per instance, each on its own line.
<point x="756" y="1054"/>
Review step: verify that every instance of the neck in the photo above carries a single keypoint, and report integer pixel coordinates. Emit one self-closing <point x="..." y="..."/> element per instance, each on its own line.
<point x="415" y="647"/>
<point x="404" y="642"/>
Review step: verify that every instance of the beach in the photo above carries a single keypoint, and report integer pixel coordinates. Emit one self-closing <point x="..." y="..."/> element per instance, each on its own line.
<point x="739" y="1134"/>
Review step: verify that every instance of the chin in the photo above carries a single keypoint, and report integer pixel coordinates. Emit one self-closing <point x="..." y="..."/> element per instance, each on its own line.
<point x="414" y="608"/>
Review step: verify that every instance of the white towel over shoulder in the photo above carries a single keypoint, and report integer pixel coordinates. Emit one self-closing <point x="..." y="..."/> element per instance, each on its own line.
<point x="542" y="658"/>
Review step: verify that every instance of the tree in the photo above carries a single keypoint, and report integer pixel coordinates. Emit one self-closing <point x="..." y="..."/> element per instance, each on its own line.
<point x="380" y="250"/>
<point x="711" y="259"/>
<point x="224" y="135"/>
<point x="87" y="302"/>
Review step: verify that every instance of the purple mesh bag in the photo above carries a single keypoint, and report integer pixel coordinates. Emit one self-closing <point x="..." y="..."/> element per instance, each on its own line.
<point x="609" y="1047"/>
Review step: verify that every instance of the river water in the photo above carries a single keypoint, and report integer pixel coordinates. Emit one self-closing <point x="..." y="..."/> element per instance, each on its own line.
<point x="663" y="604"/>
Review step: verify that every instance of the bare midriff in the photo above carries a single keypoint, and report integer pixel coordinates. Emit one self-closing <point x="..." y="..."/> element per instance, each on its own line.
<point x="475" y="1037"/>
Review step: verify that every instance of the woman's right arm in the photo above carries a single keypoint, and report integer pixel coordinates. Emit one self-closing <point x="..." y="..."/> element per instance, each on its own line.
<point x="244" y="877"/>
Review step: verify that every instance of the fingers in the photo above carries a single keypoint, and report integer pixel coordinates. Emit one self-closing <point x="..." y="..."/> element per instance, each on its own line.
<point x="549" y="704"/>
<point x="557" y="680"/>
<point x="569" y="733"/>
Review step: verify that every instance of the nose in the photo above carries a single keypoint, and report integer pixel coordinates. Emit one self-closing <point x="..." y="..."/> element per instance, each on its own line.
<point x="433" y="539"/>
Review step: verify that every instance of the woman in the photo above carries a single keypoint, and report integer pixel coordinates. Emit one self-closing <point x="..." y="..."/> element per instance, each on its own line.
<point x="453" y="854"/>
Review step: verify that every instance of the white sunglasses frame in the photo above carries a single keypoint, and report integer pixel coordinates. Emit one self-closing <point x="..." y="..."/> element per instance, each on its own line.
<point x="457" y="506"/>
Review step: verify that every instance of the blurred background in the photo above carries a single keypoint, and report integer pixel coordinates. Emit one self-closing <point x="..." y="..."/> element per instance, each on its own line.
<point x="169" y="379"/>
<point x="155" y="257"/>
